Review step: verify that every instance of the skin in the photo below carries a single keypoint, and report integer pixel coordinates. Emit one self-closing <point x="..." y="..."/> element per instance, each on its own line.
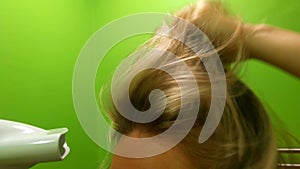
<point x="263" y="43"/>
<point x="273" y="45"/>
<point x="276" y="46"/>
<point x="172" y="159"/>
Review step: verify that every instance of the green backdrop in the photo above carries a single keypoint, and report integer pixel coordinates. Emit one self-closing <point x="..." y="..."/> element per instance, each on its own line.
<point x="41" y="39"/>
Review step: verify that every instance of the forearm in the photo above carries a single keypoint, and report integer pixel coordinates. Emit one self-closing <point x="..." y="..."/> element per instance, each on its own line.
<point x="276" y="46"/>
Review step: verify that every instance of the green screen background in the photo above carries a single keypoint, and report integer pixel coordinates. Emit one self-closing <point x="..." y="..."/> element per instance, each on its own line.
<point x="41" y="39"/>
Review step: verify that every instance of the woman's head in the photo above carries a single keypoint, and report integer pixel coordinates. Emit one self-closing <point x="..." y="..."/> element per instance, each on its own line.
<point x="244" y="137"/>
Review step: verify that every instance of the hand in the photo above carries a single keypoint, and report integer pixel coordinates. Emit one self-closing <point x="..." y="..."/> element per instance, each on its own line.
<point x="225" y="31"/>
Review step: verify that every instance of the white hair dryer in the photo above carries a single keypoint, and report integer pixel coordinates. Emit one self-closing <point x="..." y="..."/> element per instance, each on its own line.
<point x="22" y="145"/>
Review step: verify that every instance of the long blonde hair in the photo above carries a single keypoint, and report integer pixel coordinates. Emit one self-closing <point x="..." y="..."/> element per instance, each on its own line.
<point x="244" y="137"/>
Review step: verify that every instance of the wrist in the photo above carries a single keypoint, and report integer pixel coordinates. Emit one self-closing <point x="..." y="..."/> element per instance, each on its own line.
<point x="253" y="34"/>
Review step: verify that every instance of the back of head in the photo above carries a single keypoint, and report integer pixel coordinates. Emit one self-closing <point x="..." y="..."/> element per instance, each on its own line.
<point x="244" y="137"/>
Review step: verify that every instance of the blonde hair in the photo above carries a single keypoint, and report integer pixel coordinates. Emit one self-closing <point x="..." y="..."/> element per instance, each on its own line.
<point x="244" y="137"/>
